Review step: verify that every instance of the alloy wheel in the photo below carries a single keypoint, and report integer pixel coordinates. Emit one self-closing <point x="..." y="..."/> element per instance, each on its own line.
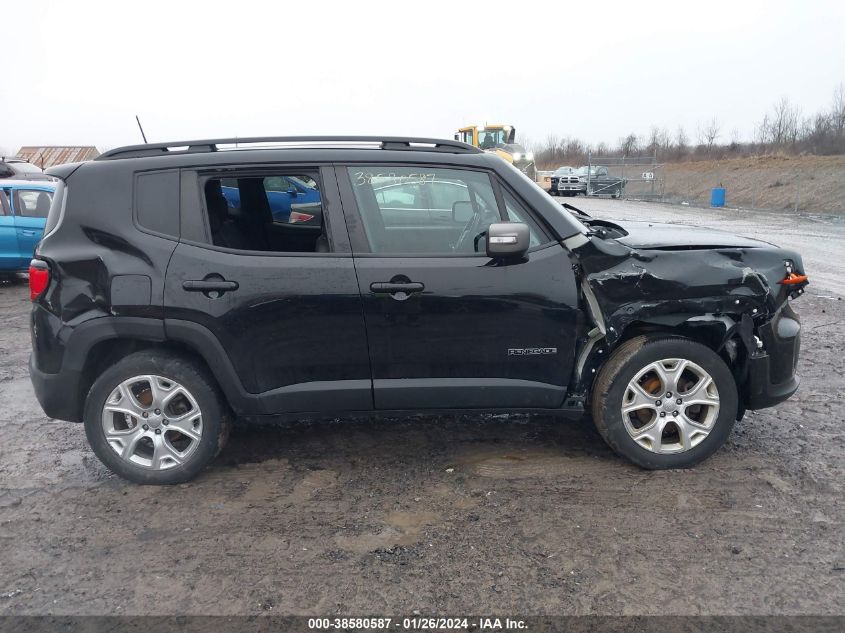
<point x="670" y="406"/>
<point x="152" y="421"/>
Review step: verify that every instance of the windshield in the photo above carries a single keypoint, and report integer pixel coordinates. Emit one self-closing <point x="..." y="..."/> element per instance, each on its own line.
<point x="582" y="171"/>
<point x="24" y="167"/>
<point x="488" y="139"/>
<point x="563" y="170"/>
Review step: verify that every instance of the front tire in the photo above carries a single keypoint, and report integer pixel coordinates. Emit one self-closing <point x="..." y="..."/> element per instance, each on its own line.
<point x="664" y="402"/>
<point x="156" y="418"/>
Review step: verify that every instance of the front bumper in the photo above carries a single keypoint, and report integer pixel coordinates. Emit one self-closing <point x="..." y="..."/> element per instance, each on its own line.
<point x="762" y="392"/>
<point x="772" y="376"/>
<point x="565" y="185"/>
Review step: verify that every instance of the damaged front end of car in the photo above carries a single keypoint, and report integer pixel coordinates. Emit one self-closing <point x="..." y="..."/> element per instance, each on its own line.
<point x="728" y="293"/>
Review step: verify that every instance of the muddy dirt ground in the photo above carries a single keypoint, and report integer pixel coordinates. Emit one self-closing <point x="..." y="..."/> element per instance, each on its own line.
<point x="444" y="515"/>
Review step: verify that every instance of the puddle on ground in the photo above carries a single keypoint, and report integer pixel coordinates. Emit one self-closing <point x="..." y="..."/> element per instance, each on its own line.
<point x="311" y="483"/>
<point x="520" y="465"/>
<point x="403" y="528"/>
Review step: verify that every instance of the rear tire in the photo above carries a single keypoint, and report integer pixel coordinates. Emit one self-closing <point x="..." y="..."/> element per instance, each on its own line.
<point x="156" y="418"/>
<point x="681" y="396"/>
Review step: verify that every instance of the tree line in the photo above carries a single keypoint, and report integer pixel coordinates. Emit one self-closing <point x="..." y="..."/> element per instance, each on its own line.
<point x="784" y="129"/>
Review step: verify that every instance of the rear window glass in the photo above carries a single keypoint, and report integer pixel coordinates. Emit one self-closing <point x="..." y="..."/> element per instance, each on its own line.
<point x="157" y="202"/>
<point x="23" y="167"/>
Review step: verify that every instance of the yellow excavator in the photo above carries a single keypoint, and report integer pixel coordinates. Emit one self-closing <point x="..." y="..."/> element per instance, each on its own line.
<point x="500" y="140"/>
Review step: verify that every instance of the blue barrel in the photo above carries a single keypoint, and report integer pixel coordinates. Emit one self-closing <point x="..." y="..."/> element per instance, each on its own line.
<point x="717" y="198"/>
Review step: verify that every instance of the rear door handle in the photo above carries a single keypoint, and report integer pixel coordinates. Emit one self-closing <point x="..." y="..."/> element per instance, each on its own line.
<point x="196" y="285"/>
<point x="383" y="287"/>
<point x="211" y="288"/>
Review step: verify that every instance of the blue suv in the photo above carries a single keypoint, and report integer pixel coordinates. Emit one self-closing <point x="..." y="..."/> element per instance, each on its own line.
<point x="24" y="206"/>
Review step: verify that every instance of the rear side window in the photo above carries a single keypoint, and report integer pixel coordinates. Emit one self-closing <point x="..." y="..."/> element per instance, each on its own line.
<point x="157" y="202"/>
<point x="32" y="203"/>
<point x="4" y="203"/>
<point x="279" y="213"/>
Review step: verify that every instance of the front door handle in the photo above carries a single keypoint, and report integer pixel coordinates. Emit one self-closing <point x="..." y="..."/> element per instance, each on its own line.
<point x="384" y="287"/>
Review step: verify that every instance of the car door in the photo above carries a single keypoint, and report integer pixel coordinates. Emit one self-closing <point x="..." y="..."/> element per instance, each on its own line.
<point x="9" y="255"/>
<point x="30" y="207"/>
<point x="284" y="308"/>
<point x="449" y="327"/>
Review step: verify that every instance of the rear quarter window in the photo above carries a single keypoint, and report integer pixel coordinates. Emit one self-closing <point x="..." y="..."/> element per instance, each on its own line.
<point x="56" y="208"/>
<point x="157" y="202"/>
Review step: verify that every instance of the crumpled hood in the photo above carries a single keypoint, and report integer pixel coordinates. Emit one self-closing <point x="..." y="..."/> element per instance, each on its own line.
<point x="667" y="236"/>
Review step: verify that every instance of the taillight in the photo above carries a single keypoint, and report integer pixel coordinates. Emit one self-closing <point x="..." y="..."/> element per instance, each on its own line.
<point x="39" y="278"/>
<point x="297" y="216"/>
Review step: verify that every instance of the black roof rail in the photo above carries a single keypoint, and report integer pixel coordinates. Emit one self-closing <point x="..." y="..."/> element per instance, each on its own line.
<point x="211" y="145"/>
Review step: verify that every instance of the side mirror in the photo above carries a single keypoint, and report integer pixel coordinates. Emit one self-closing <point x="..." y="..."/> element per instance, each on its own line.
<point x="462" y="211"/>
<point x="507" y="239"/>
<point x="292" y="192"/>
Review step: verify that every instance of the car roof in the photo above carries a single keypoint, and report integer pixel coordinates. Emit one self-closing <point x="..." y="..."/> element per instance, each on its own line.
<point x="27" y="184"/>
<point x="265" y="151"/>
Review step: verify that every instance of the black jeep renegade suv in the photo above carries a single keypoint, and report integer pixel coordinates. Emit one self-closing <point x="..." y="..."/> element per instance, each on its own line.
<point x="180" y="286"/>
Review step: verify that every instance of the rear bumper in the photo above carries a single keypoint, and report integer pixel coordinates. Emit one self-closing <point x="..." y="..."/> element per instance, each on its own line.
<point x="58" y="394"/>
<point x="60" y="355"/>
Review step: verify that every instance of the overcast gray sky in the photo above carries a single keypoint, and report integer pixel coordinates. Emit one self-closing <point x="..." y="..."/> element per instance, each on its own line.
<point x="77" y="72"/>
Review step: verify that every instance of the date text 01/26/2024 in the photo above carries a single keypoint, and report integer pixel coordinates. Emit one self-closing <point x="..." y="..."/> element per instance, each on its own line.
<point x="418" y="623"/>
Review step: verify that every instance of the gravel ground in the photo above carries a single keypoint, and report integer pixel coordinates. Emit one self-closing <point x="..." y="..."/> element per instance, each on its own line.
<point x="445" y="515"/>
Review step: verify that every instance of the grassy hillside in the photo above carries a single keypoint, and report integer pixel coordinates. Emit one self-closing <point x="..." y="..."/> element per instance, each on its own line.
<point x="817" y="183"/>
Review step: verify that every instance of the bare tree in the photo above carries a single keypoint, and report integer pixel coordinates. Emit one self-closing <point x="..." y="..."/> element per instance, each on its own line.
<point x="708" y="133"/>
<point x="783" y="125"/>
<point x="681" y="142"/>
<point x="629" y="145"/>
<point x="782" y="128"/>
<point x="665" y="141"/>
<point x="837" y="112"/>
<point x="654" y="140"/>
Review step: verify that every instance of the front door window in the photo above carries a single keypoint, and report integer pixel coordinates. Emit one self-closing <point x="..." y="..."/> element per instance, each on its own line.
<point x="424" y="210"/>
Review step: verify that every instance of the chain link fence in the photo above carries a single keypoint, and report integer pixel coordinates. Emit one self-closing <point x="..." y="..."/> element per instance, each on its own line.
<point x="635" y="177"/>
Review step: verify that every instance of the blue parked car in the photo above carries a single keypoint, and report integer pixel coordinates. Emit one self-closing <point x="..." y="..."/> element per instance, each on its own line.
<point x="23" y="212"/>
<point x="292" y="200"/>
